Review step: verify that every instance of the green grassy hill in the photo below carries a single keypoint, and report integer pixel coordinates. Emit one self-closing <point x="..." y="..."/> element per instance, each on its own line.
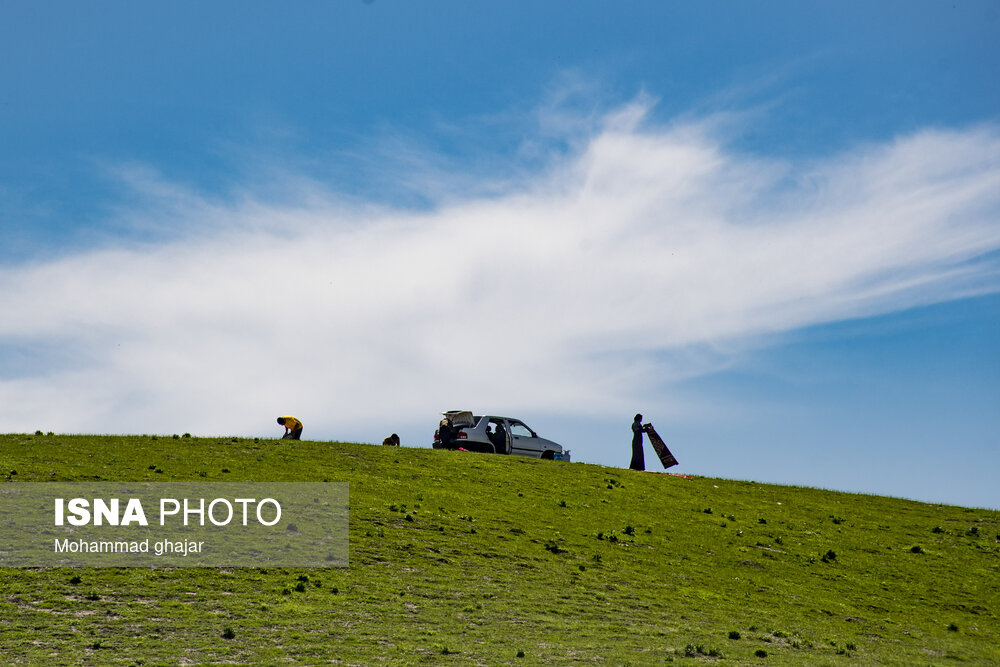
<point x="460" y="558"/>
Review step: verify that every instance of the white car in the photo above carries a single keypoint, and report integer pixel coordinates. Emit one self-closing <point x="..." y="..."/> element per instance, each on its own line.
<point x="494" y="435"/>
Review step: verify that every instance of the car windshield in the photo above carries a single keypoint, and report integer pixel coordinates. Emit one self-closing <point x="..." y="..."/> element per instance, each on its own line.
<point x="520" y="430"/>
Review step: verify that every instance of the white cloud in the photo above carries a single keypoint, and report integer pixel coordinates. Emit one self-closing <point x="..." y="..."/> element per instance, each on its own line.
<point x="641" y="258"/>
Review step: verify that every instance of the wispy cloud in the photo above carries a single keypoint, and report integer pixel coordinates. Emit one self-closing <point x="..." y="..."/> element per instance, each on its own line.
<point x="646" y="253"/>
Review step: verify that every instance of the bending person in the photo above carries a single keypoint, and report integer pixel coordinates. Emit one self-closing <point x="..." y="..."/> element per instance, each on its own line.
<point x="293" y="428"/>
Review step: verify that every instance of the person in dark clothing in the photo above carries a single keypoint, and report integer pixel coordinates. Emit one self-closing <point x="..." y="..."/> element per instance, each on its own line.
<point x="637" y="463"/>
<point x="446" y="434"/>
<point x="499" y="439"/>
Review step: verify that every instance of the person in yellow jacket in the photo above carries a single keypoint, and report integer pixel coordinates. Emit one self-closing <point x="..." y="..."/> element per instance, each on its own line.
<point x="293" y="428"/>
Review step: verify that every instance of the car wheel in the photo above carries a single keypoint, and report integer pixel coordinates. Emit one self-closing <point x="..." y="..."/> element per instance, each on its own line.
<point x="548" y="455"/>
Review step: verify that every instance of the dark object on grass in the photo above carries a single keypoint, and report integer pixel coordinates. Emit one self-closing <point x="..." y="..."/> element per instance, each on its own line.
<point x="551" y="546"/>
<point x="228" y="634"/>
<point x="391" y="441"/>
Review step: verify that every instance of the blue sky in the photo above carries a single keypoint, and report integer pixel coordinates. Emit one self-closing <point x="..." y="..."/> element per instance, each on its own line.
<point x="773" y="228"/>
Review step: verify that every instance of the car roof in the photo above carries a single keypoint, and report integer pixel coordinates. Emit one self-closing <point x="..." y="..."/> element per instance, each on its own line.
<point x="452" y="413"/>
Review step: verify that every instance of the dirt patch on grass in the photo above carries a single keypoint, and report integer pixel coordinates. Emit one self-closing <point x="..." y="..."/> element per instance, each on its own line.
<point x="752" y="564"/>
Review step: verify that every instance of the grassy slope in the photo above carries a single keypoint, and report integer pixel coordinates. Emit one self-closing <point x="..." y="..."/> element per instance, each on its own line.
<point x="465" y="558"/>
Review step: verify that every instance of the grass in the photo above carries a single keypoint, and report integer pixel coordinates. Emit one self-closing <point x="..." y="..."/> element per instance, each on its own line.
<point x="461" y="558"/>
